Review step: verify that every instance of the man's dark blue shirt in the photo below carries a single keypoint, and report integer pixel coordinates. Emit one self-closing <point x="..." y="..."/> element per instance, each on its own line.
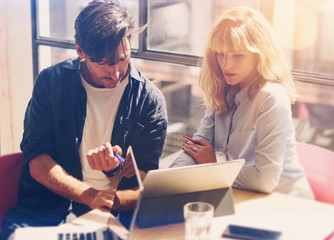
<point x="53" y="125"/>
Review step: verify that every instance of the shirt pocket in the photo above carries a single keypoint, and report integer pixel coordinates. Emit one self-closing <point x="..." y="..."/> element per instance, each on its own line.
<point x="244" y="142"/>
<point x="132" y="131"/>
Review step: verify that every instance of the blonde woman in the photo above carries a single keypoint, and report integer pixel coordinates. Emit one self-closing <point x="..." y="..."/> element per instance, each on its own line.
<point x="248" y="90"/>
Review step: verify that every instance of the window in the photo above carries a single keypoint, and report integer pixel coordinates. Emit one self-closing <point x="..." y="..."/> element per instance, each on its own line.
<point x="169" y="50"/>
<point x="306" y="31"/>
<point x="181" y="40"/>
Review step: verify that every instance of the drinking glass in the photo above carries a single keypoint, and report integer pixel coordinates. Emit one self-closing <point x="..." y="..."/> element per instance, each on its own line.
<point x="198" y="217"/>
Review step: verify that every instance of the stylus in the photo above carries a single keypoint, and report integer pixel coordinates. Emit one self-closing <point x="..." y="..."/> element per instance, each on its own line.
<point x="116" y="155"/>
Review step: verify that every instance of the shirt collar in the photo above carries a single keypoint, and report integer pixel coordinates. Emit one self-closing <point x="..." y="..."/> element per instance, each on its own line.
<point x="230" y="98"/>
<point x="243" y="94"/>
<point x="72" y="63"/>
<point x="134" y="73"/>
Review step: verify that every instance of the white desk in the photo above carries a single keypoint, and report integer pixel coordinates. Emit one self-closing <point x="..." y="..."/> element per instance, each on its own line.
<point x="296" y="218"/>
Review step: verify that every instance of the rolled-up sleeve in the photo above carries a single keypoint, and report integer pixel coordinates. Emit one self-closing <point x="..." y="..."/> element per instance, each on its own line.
<point x="38" y="124"/>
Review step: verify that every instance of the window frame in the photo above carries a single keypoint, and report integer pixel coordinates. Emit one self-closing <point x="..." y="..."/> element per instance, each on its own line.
<point x="143" y="53"/>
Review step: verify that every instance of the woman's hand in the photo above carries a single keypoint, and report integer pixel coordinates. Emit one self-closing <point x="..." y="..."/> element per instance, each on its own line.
<point x="200" y="151"/>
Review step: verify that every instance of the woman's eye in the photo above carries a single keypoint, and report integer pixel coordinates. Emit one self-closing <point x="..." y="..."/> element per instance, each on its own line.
<point x="238" y="55"/>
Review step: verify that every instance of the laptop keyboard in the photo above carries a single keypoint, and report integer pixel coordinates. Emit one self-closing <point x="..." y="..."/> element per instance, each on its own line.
<point x="81" y="236"/>
<point x="106" y="235"/>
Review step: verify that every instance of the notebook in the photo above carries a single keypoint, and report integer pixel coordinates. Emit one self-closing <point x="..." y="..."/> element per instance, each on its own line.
<point x="166" y="191"/>
<point x="94" y="231"/>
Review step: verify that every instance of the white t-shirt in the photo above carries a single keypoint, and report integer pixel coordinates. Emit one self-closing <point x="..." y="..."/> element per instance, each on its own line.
<point x="102" y="107"/>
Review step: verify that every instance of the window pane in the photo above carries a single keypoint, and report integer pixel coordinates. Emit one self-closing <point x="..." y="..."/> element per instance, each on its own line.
<point x="306" y="30"/>
<point x="56" y="18"/>
<point x="48" y="56"/>
<point x="133" y="7"/>
<point x="182" y="26"/>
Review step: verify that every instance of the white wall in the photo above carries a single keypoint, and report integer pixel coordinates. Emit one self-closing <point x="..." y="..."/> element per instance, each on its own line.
<point x="17" y="19"/>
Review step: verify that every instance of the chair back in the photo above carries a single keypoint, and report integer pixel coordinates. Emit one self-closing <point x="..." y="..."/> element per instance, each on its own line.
<point x="318" y="163"/>
<point x="10" y="169"/>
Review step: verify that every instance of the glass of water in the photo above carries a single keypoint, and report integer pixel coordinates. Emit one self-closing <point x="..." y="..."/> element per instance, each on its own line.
<point x="198" y="217"/>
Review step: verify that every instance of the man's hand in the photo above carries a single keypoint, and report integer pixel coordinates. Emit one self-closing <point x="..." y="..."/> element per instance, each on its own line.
<point x="96" y="199"/>
<point x="200" y="151"/>
<point x="102" y="158"/>
<point x="128" y="169"/>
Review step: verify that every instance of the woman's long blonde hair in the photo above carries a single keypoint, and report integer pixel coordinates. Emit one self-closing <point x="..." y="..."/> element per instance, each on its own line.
<point x="243" y="29"/>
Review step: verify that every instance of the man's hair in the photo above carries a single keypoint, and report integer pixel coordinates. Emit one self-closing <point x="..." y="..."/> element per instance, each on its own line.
<point x="100" y="28"/>
<point x="243" y="29"/>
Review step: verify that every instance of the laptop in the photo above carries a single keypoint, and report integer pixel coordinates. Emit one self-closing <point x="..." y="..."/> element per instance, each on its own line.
<point x="162" y="197"/>
<point x="112" y="230"/>
<point x="166" y="191"/>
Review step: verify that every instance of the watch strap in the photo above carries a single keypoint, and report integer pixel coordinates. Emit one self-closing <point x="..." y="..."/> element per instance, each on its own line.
<point x="114" y="171"/>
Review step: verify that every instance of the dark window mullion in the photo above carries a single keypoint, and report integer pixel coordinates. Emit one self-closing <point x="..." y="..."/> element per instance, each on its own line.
<point x="55" y="43"/>
<point x="318" y="79"/>
<point x="142" y="38"/>
<point x="168" y="57"/>
<point x="34" y="37"/>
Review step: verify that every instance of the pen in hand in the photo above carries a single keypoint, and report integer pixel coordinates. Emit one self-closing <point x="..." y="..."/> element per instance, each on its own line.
<point x="121" y="159"/>
<point x="188" y="138"/>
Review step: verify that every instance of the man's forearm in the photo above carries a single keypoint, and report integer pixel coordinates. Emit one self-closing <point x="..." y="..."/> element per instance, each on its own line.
<point x="126" y="200"/>
<point x="50" y="174"/>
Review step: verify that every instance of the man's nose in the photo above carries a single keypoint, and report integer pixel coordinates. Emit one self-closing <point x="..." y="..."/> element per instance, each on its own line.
<point x="114" y="72"/>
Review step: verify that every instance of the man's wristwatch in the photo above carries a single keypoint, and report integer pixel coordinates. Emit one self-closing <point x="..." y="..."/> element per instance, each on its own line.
<point x="114" y="171"/>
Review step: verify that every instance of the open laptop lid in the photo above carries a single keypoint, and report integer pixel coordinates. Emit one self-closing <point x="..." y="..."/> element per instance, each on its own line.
<point x="167" y="190"/>
<point x="141" y="188"/>
<point x="194" y="178"/>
